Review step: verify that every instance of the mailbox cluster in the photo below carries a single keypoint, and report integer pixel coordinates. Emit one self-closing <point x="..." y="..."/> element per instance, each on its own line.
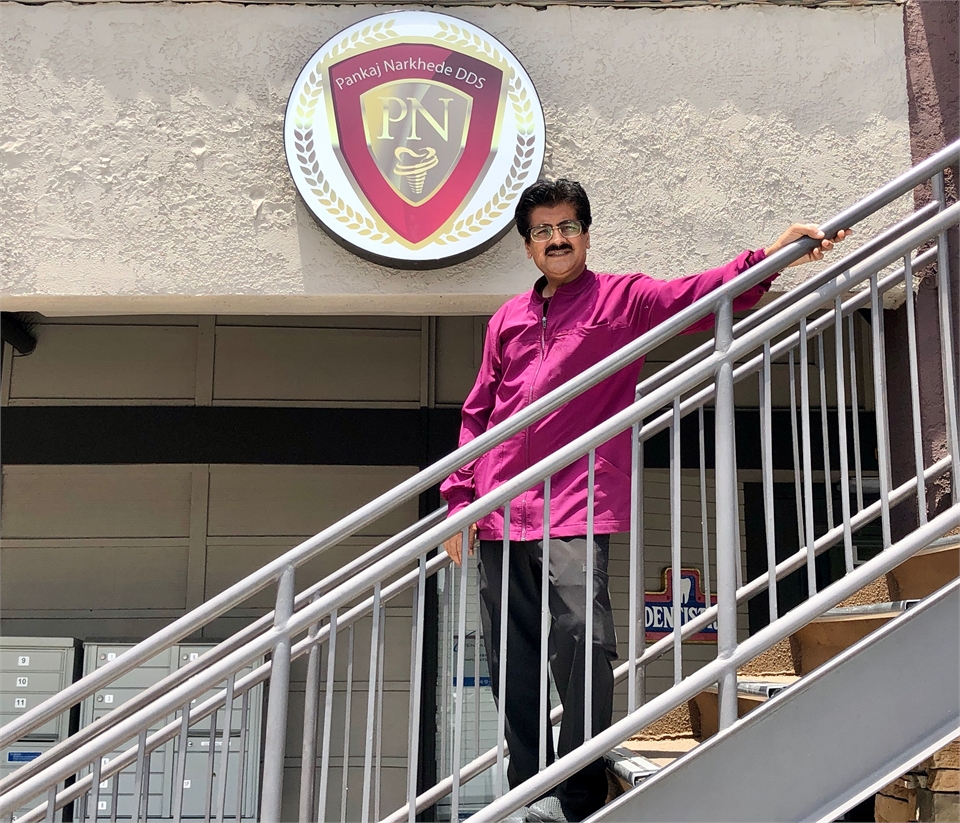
<point x="38" y="668"/>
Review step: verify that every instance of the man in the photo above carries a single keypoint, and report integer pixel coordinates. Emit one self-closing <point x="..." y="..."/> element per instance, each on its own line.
<point x="537" y="341"/>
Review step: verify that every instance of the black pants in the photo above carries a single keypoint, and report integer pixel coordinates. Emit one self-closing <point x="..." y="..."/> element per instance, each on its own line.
<point x="585" y="792"/>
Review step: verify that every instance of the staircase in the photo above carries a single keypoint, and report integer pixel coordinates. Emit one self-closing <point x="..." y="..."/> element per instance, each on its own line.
<point x="849" y="685"/>
<point x="930" y="784"/>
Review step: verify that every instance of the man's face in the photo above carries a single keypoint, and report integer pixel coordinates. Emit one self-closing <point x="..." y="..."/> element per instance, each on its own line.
<point x="561" y="259"/>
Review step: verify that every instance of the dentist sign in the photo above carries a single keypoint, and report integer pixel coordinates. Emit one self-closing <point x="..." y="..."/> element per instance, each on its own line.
<point x="658" y="607"/>
<point x="410" y="136"/>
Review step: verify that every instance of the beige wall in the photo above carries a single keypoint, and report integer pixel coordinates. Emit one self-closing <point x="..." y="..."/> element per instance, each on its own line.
<point x="143" y="167"/>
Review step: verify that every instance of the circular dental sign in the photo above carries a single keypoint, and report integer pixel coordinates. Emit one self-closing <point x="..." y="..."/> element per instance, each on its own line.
<point x="411" y="135"/>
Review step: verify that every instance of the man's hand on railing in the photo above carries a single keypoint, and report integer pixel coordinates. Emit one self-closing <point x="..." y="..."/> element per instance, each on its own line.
<point x="454" y="545"/>
<point x="798" y="230"/>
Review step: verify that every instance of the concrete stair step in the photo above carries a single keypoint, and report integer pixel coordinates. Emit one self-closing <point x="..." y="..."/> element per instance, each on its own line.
<point x="751" y="694"/>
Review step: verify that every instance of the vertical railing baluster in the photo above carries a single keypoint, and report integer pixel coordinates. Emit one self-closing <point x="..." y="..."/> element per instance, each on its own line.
<point x="225" y="748"/>
<point x="444" y="663"/>
<point x="946" y="344"/>
<point x="795" y="439"/>
<point x="311" y="717"/>
<point x="114" y="796"/>
<point x="842" y="437"/>
<point x="855" y="409"/>
<point x="727" y="513"/>
<point x="766" y="465"/>
<point x="675" y="542"/>
<point x="590" y="568"/>
<point x="211" y="762"/>
<point x="275" y="733"/>
<point x="807" y="462"/>
<point x="244" y="743"/>
<point x="633" y="599"/>
<point x="181" y="762"/>
<point x="880" y="394"/>
<point x="825" y="432"/>
<point x="371" y="705"/>
<point x="94" y="793"/>
<point x="347" y="709"/>
<point x="544" y="724"/>
<point x="477" y="637"/>
<point x="914" y="388"/>
<point x="51" y="804"/>
<point x="319" y="803"/>
<point x="139" y="812"/>
<point x="458" y="698"/>
<point x="416" y="687"/>
<point x="378" y="771"/>
<point x="704" y="522"/>
<point x="502" y="679"/>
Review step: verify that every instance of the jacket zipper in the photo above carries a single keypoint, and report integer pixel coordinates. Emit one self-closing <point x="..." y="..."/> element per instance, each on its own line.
<point x="526" y="434"/>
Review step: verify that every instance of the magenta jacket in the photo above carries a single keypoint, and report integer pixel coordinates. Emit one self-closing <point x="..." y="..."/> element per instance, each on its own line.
<point x="528" y="353"/>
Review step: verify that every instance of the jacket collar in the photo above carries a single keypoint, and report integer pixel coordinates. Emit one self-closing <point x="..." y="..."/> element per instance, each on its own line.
<point x="581" y="284"/>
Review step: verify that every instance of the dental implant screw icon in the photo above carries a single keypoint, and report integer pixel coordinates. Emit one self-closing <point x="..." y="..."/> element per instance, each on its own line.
<point x="413" y="166"/>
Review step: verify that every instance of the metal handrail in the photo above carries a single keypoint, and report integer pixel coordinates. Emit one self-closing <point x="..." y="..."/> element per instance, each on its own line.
<point x="270" y="572"/>
<point x="695" y="683"/>
<point x="414" y="548"/>
<point x="395" y="553"/>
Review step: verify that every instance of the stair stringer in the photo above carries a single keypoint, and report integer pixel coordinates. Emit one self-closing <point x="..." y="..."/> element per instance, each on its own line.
<point x="821" y="746"/>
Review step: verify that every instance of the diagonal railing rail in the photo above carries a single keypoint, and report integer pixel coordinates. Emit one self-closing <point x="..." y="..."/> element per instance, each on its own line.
<point x="821" y="312"/>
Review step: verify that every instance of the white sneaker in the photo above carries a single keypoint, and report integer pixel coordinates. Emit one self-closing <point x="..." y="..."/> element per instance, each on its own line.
<point x="547" y="810"/>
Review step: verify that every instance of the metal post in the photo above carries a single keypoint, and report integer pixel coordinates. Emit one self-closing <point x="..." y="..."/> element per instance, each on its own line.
<point x="825" y="432"/>
<point x="589" y="568"/>
<point x="242" y="757"/>
<point x="504" y="622"/>
<point x="807" y="461"/>
<point x="371" y="704"/>
<point x="178" y="781"/>
<point x="139" y="810"/>
<point x="633" y="600"/>
<point x="275" y="734"/>
<point x="458" y="700"/>
<point x="309" y="809"/>
<point x="795" y="440"/>
<point x="842" y="436"/>
<point x="880" y="394"/>
<point x="728" y="552"/>
<point x="544" y="724"/>
<point x="766" y="465"/>
<point x="704" y="524"/>
<point x="211" y="762"/>
<point x="416" y="685"/>
<point x="675" y="502"/>
<point x="855" y="413"/>
<point x="347" y="710"/>
<point x="225" y="749"/>
<point x="914" y="388"/>
<point x="311" y="712"/>
<point x="946" y="345"/>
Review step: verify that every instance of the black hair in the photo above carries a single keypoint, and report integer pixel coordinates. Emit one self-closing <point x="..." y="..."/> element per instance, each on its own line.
<point x="552" y="193"/>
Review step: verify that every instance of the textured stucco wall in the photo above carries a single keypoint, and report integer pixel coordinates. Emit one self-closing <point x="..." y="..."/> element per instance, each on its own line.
<point x="143" y="169"/>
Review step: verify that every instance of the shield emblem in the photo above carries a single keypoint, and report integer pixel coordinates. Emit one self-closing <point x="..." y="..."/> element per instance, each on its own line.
<point x="415" y="129"/>
<point x="416" y="132"/>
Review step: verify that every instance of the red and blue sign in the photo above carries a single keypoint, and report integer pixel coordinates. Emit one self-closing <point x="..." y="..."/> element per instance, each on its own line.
<point x="658" y="607"/>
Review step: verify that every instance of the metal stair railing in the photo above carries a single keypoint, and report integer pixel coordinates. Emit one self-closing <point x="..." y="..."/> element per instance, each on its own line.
<point x="402" y="566"/>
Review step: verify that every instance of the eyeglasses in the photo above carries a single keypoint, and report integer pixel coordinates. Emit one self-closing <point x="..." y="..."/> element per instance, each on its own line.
<point x="544" y="232"/>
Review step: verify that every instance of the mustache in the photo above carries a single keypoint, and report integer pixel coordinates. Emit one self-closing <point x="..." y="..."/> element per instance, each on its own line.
<point x="558" y="247"/>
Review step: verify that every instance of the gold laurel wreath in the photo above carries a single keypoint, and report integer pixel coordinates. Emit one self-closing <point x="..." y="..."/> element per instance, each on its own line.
<point x="468" y="42"/>
<point x="303" y="141"/>
<point x="376" y="230"/>
<point x="513" y="183"/>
